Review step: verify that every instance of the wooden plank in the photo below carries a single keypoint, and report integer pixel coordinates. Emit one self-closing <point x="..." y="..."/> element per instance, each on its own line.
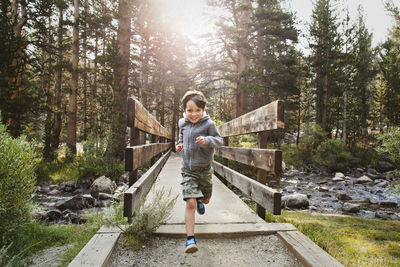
<point x="136" y="156"/>
<point x="97" y="251"/>
<point x="266" y="118"/>
<point x="266" y="159"/>
<point x="140" y="118"/>
<point x="306" y="250"/>
<point x="267" y="197"/>
<point x="138" y="190"/>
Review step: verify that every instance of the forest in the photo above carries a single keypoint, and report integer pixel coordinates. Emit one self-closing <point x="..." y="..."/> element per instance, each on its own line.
<point x="67" y="69"/>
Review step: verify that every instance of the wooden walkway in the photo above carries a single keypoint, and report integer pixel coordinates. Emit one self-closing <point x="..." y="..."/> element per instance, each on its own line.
<point x="226" y="216"/>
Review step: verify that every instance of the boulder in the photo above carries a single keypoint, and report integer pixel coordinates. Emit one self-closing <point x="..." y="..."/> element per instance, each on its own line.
<point x="382" y="215"/>
<point x="54" y="192"/>
<point x="364" y="180"/>
<point x="384" y="166"/>
<point x="351" y="207"/>
<point x="339" y="175"/>
<point x="343" y="196"/>
<point x="77" y="202"/>
<point x="295" y="201"/>
<point x="388" y="204"/>
<point x="53" y="215"/>
<point x="102" y="185"/>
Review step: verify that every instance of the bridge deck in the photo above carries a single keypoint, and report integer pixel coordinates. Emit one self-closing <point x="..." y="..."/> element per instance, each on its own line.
<point x="226" y="214"/>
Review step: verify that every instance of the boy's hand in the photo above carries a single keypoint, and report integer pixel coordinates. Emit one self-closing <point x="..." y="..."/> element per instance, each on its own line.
<point x="179" y="147"/>
<point x="201" y="140"/>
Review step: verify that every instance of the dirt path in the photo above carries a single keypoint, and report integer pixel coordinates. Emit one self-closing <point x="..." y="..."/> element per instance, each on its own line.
<point x="266" y="250"/>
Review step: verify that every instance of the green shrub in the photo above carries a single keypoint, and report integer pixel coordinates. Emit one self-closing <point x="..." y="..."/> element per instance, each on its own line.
<point x="148" y="218"/>
<point x="390" y="146"/>
<point x="296" y="156"/>
<point x="17" y="180"/>
<point x="331" y="152"/>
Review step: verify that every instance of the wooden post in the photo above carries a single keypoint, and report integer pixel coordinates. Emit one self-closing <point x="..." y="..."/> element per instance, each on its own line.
<point x="135" y="132"/>
<point x="226" y="143"/>
<point x="262" y="174"/>
<point x="153" y="140"/>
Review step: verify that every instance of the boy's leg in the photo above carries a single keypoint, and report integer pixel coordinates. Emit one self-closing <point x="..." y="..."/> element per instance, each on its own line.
<point x="191" y="206"/>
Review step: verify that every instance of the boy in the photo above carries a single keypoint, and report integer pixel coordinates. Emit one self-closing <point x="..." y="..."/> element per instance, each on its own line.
<point x="198" y="136"/>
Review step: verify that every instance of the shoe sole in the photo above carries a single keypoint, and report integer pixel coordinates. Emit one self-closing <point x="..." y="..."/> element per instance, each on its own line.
<point x="191" y="249"/>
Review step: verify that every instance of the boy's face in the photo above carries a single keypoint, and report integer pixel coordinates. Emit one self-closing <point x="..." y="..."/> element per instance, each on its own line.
<point x="193" y="112"/>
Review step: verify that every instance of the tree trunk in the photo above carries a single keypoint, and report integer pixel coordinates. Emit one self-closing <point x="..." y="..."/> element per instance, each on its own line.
<point x="57" y="115"/>
<point x="324" y="111"/>
<point x="121" y="92"/>
<point x="15" y="71"/>
<point x="72" y="108"/>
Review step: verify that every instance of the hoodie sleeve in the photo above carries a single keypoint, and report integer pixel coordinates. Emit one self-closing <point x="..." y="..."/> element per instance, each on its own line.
<point x="214" y="139"/>
<point x="180" y="124"/>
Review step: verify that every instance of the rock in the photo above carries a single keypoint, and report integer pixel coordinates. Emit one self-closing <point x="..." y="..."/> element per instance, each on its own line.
<point x="53" y="187"/>
<point x="295" y="201"/>
<point x="351" y="207"/>
<point x="343" y="196"/>
<point x="382" y="215"/>
<point x="364" y="180"/>
<point x="372" y="170"/>
<point x="78" y="202"/>
<point x="102" y="185"/>
<point x="104" y="196"/>
<point x="388" y="204"/>
<point x="79" y="191"/>
<point x="75" y="218"/>
<point x="69" y="187"/>
<point x="382" y="184"/>
<point x="322" y="189"/>
<point x="337" y="179"/>
<point x="54" y="215"/>
<point x="54" y="192"/>
<point x="384" y="166"/>
<point x="45" y="189"/>
<point x="339" y="175"/>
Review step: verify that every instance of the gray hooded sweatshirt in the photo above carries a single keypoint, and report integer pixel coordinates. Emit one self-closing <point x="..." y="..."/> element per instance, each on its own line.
<point x="195" y="155"/>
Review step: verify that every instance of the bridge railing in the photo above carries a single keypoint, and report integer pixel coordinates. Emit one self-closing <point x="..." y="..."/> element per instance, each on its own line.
<point x="148" y="140"/>
<point x="261" y="121"/>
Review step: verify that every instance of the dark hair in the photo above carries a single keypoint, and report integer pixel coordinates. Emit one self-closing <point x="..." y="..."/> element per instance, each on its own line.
<point x="197" y="97"/>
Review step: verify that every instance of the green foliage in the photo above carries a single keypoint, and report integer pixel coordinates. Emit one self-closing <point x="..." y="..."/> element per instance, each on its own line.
<point x="17" y="180"/>
<point x="91" y="163"/>
<point x="331" y="152"/>
<point x="390" y="146"/>
<point x="395" y="188"/>
<point x="148" y="218"/>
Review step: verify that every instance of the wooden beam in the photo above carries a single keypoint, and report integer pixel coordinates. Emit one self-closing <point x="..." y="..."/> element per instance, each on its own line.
<point x="266" y="159"/>
<point x="267" y="197"/>
<point x="307" y="251"/>
<point x="136" y="156"/>
<point x="139" y="117"/>
<point x="266" y="118"/>
<point x="138" y="190"/>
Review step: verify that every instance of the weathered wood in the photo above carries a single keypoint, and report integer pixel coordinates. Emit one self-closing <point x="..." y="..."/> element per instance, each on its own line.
<point x="268" y="117"/>
<point x="267" y="197"/>
<point x="306" y="250"/>
<point x="138" y="190"/>
<point x="261" y="173"/>
<point x="135" y="156"/>
<point x="266" y="159"/>
<point x="139" y="117"/>
<point x="135" y="134"/>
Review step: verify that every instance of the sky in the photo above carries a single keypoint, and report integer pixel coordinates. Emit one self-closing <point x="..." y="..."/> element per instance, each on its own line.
<point x="188" y="16"/>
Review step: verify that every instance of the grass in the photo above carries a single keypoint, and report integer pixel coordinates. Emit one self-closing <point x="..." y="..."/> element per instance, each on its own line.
<point x="35" y="237"/>
<point x="352" y="241"/>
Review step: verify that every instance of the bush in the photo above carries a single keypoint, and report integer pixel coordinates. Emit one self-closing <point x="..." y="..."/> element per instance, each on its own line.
<point x="17" y="180"/>
<point x="390" y="146"/>
<point x="331" y="153"/>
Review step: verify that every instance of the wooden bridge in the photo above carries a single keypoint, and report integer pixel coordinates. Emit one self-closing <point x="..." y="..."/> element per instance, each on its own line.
<point x="226" y="215"/>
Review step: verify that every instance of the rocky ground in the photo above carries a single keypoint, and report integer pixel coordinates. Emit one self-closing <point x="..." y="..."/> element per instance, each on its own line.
<point x="250" y="251"/>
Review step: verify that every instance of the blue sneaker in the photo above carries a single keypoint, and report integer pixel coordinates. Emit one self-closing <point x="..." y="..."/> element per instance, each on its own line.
<point x="191" y="246"/>
<point x="201" y="208"/>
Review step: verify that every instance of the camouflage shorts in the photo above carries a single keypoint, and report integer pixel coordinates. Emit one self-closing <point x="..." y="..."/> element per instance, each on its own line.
<point x="196" y="184"/>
